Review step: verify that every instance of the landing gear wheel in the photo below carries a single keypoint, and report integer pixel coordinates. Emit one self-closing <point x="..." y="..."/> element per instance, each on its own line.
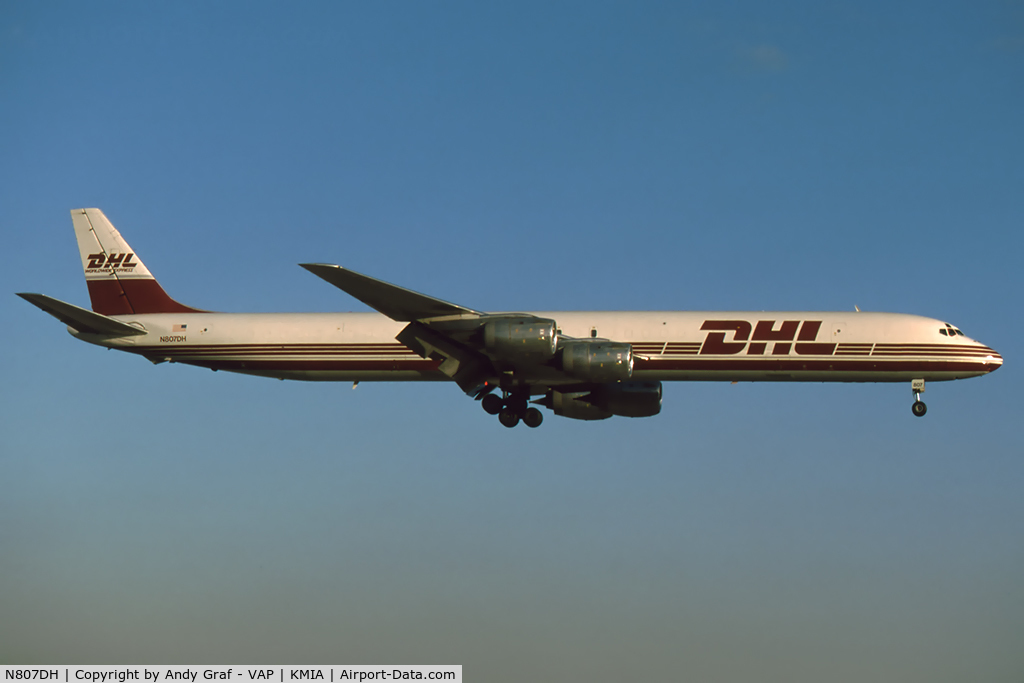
<point x="508" y="417"/>
<point x="919" y="408"/>
<point x="492" y="404"/>
<point x="533" y="418"/>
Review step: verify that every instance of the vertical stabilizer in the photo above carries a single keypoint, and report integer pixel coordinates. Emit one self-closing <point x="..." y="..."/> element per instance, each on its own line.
<point x="119" y="283"/>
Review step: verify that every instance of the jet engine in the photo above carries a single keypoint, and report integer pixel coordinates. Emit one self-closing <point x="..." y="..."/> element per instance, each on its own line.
<point x="598" y="361"/>
<point x="521" y="339"/>
<point x="628" y="399"/>
<point x="574" y="405"/>
<point x="631" y="399"/>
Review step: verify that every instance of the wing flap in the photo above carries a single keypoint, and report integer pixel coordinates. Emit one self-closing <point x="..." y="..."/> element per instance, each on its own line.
<point x="467" y="367"/>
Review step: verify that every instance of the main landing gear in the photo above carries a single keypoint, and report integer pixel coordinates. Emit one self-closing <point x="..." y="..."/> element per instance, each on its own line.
<point x="511" y="409"/>
<point x="919" y="408"/>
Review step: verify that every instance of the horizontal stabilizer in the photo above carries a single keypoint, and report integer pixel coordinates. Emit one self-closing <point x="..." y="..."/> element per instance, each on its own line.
<point x="393" y="301"/>
<point x="81" y="319"/>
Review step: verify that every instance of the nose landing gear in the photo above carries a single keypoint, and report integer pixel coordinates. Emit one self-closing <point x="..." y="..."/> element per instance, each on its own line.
<point x="919" y="408"/>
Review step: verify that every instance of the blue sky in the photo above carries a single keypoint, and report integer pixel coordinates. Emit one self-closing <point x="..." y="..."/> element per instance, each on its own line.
<point x="527" y="156"/>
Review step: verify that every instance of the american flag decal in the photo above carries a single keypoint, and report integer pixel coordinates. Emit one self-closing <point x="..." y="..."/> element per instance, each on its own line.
<point x="179" y="328"/>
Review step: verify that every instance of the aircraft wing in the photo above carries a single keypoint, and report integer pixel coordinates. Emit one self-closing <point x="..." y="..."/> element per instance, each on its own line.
<point x="393" y="301"/>
<point x="437" y="329"/>
<point x="445" y="340"/>
<point x="81" y="319"/>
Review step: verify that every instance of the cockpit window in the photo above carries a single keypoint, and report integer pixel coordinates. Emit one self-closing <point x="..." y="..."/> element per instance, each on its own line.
<point x="942" y="331"/>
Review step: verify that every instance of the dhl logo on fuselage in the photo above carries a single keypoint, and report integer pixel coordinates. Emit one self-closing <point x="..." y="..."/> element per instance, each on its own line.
<point x="120" y="263"/>
<point x="755" y="339"/>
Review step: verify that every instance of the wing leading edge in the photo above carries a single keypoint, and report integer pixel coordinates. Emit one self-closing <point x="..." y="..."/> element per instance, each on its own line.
<point x="397" y="303"/>
<point x="437" y="329"/>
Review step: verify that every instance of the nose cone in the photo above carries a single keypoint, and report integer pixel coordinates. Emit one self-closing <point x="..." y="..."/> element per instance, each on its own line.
<point x="993" y="361"/>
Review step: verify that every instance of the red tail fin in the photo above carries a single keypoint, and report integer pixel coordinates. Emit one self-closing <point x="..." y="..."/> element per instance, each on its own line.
<point x="119" y="283"/>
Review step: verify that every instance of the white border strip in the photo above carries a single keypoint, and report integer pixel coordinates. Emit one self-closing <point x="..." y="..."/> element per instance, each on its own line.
<point x="149" y="673"/>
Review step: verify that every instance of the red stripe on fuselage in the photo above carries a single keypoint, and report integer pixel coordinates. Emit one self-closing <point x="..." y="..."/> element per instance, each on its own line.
<point x="290" y="358"/>
<point x="797" y="365"/>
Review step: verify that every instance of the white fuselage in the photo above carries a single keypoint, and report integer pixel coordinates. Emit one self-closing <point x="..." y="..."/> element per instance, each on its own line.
<point x="668" y="346"/>
<point x="586" y="365"/>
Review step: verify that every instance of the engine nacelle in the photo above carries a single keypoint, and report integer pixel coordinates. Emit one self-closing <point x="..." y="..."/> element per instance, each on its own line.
<point x="628" y="399"/>
<point x="574" y="406"/>
<point x="598" y="361"/>
<point x="526" y="339"/>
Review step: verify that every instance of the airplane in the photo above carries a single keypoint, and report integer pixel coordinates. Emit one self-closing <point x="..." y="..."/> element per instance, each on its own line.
<point x="584" y="365"/>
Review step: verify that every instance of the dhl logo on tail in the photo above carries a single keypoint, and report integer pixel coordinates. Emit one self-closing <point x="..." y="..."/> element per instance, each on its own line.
<point x="121" y="263"/>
